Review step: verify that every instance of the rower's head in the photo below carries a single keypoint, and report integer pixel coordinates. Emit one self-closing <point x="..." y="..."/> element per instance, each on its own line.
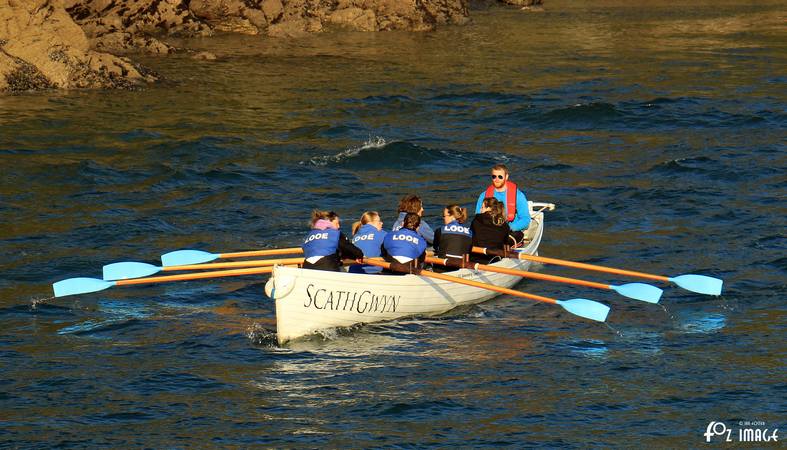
<point x="499" y="175"/>
<point x="454" y="212"/>
<point x="495" y="209"/>
<point x="371" y="217"/>
<point x="329" y="216"/>
<point x="411" y="203"/>
<point x="411" y="221"/>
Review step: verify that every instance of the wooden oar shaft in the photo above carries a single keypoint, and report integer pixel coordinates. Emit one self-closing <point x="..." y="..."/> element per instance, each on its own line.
<point x="227" y="265"/>
<point x="577" y="265"/>
<point x="269" y="252"/>
<point x="491" y="287"/>
<point x="525" y="274"/>
<point x="541" y="276"/>
<point x="196" y="276"/>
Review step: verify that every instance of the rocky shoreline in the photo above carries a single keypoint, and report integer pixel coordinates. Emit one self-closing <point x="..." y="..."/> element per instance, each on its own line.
<point x="46" y="44"/>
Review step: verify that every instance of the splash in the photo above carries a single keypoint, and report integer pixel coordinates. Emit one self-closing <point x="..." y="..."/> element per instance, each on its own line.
<point x="259" y="335"/>
<point x="371" y="143"/>
<point x="703" y="323"/>
<point x="379" y="154"/>
<point x="39" y="300"/>
<point x="591" y="348"/>
<point x="614" y="330"/>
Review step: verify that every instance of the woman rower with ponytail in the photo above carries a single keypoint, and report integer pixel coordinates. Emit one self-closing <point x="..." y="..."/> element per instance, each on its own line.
<point x="490" y="228"/>
<point x="454" y="239"/>
<point x="405" y="244"/>
<point x="368" y="235"/>
<point x="325" y="246"/>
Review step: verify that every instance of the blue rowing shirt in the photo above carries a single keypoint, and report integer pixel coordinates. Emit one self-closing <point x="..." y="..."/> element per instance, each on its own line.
<point x="404" y="244"/>
<point x="370" y="240"/>
<point x="320" y="243"/>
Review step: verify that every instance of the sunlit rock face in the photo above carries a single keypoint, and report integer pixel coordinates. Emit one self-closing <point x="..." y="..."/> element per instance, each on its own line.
<point x="72" y="43"/>
<point x="523" y="2"/>
<point x="120" y="25"/>
<point x="42" y="47"/>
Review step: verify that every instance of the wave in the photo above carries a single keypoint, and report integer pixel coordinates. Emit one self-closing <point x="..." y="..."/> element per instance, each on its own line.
<point x="378" y="154"/>
<point x="321" y="161"/>
<point x="590" y="114"/>
<point x="493" y="97"/>
<point x="93" y="327"/>
<point x="656" y="113"/>
<point x="683" y="165"/>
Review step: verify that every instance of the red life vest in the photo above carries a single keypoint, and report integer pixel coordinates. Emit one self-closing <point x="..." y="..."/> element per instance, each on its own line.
<point x="510" y="198"/>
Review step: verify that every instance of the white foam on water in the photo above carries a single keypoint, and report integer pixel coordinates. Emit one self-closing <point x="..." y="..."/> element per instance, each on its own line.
<point x="371" y="143"/>
<point x="39" y="300"/>
<point x="703" y="324"/>
<point x="259" y="335"/>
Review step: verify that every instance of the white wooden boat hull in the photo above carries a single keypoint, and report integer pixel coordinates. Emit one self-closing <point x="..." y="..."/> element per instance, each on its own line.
<point x="308" y="301"/>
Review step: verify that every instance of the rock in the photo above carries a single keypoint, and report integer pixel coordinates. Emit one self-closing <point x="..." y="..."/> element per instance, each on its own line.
<point x="215" y="10"/>
<point x="44" y="48"/>
<point x="18" y="75"/>
<point x="354" y="18"/>
<point x="288" y="29"/>
<point x="204" y="56"/>
<point x="237" y="25"/>
<point x="256" y="17"/>
<point x="523" y="2"/>
<point x="64" y="43"/>
<point x="141" y="23"/>
<point x="444" y="12"/>
<point x="272" y="9"/>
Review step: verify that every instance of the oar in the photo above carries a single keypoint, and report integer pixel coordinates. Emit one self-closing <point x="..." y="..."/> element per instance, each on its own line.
<point x="187" y="257"/>
<point x="126" y="270"/>
<point x="578" y="306"/>
<point x="700" y="284"/>
<point x="73" y="286"/>
<point x="637" y="291"/>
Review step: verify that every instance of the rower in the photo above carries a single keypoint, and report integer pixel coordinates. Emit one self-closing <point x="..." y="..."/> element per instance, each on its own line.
<point x="412" y="203"/>
<point x="454" y="239"/>
<point x="405" y="245"/>
<point x="517" y="211"/>
<point x="368" y="235"/>
<point x="490" y="229"/>
<point x="325" y="246"/>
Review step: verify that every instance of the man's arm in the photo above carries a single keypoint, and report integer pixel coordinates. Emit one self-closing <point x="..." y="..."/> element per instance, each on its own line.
<point x="522" y="219"/>
<point x="480" y="202"/>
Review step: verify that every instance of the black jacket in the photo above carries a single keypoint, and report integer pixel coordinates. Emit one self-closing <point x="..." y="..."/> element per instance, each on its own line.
<point x="334" y="262"/>
<point x="455" y="245"/>
<point x="487" y="234"/>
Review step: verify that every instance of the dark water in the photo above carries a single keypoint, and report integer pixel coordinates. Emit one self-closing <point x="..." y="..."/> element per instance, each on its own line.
<point x="659" y="131"/>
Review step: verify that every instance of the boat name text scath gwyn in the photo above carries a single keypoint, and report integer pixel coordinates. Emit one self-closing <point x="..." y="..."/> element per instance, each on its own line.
<point x="361" y="302"/>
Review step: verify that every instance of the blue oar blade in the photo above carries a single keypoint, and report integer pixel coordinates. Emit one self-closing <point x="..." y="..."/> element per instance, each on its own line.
<point x="73" y="286"/>
<point x="699" y="283"/>
<point x="639" y="291"/>
<point x="585" y="308"/>
<point x="124" y="270"/>
<point x="186" y="257"/>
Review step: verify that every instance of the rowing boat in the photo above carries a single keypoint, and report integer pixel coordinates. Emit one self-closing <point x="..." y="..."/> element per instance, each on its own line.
<point x="310" y="301"/>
